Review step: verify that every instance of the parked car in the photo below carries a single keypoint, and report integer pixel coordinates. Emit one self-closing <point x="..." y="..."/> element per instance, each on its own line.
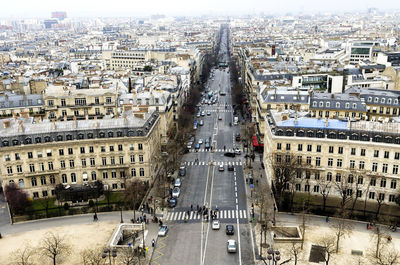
<point x="208" y="113"/>
<point x="216" y="225"/>
<point x="200" y="141"/>
<point x="230" y="230"/>
<point x="220" y="118"/>
<point x="182" y="171"/>
<point x="203" y="113"/>
<point x="178" y="182"/>
<point x="221" y="168"/>
<point x="229" y="154"/>
<point x="231" y="246"/>
<point x="176" y="192"/>
<point x="172" y="202"/>
<point x="163" y="230"/>
<point x="201" y="123"/>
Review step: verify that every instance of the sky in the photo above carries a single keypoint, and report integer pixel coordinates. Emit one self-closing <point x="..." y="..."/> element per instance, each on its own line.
<point x="135" y="8"/>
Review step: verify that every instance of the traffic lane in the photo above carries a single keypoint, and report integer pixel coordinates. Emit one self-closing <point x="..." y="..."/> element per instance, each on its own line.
<point x="246" y="245"/>
<point x="193" y="185"/>
<point x="182" y="245"/>
<point x="242" y="196"/>
<point x="216" y="250"/>
<point x="223" y="190"/>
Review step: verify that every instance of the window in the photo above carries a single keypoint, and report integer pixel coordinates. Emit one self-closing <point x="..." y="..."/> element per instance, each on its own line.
<point x="108" y="100"/>
<point x="93" y="175"/>
<point x="104" y="161"/>
<point x="112" y="160"/>
<point x="131" y="147"/>
<point x="298" y="174"/>
<point x="39" y="154"/>
<point x="300" y="147"/>
<point x="384" y="168"/>
<point x="386" y="154"/>
<point x="298" y="187"/>
<point x="50" y="102"/>
<point x="61" y="152"/>
<point x="73" y="178"/>
<point x="308" y="160"/>
<point x="376" y="153"/>
<point x="52" y="179"/>
<point x="31" y="167"/>
<point x="64" y="179"/>
<point x="316" y="188"/>
<point x="307" y="188"/>
<point x="318" y="148"/>
<point x="140" y="158"/>
<point x="362" y="153"/>
<point x="330" y="162"/>
<point x="359" y="193"/>
<point x="70" y="151"/>
<point x="17" y="156"/>
<point x="122" y="174"/>
<point x="340" y="150"/>
<point x="395" y="169"/>
<point x="91" y="149"/>
<point x="373" y="182"/>
<point x="120" y="147"/>
<point x="133" y="172"/>
<point x="141" y="172"/>
<point x="381" y="197"/>
<point x="62" y="164"/>
<point x="92" y="162"/>
<point x="316" y="175"/>
<point x="397" y="155"/>
<point x="71" y="163"/>
<point x="7" y="157"/>
<point x="360" y="180"/>
<point x="111" y="148"/>
<point x="353" y="151"/>
<point x="329" y="176"/>
<point x="339" y="163"/>
<point x="374" y="167"/>
<point x="278" y="158"/>
<point x="50" y="164"/>
<point x="83" y="161"/>
<point x="352" y="163"/>
<point x="41" y="167"/>
<point x="82" y="150"/>
<point x="36" y="194"/>
<point x="309" y="148"/>
<point x="19" y="168"/>
<point x="393" y="184"/>
<point x="140" y="146"/>
<point x="392" y="198"/>
<point x="121" y="160"/>
<point x="371" y="195"/>
<point x="102" y="149"/>
<point x="279" y="146"/>
<point x="338" y="177"/>
<point x="34" y="182"/>
<point x="318" y="161"/>
<point x="132" y="159"/>
<point x="362" y="165"/>
<point x="43" y="180"/>
<point x="350" y="179"/>
<point x="9" y="170"/>
<point x="63" y="102"/>
<point x="331" y="149"/>
<point x="287" y="146"/>
<point x="105" y="174"/>
<point x="383" y="183"/>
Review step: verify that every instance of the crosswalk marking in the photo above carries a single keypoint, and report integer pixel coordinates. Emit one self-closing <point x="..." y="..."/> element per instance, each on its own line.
<point x="203" y="163"/>
<point x="240" y="215"/>
<point x="222" y="214"/>
<point x="244" y="214"/>
<point x="193" y="150"/>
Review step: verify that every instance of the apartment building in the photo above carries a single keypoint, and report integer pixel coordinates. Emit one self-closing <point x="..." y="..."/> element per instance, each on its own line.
<point x="21" y="105"/>
<point x="38" y="156"/>
<point x="362" y="156"/>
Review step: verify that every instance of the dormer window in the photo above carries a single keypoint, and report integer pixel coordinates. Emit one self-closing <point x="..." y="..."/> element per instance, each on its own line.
<point x="354" y="105"/>
<point x="369" y="99"/>
<point x="383" y="100"/>
<point x="321" y="103"/>
<point x="396" y="101"/>
<point x="389" y="101"/>
<point x="338" y="105"/>
<point x="347" y="105"/>
<point x="376" y="100"/>
<point x="314" y="104"/>
<point x="328" y="104"/>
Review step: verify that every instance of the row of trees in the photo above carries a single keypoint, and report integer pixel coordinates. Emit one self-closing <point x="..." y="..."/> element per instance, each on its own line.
<point x="56" y="249"/>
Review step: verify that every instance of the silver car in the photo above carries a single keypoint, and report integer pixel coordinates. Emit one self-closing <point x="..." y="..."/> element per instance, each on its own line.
<point x="176" y="192"/>
<point x="231" y="246"/>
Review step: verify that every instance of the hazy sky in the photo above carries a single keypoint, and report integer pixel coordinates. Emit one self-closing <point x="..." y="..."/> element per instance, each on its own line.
<point x="93" y="8"/>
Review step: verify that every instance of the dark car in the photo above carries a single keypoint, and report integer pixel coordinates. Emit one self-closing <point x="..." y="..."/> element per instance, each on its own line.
<point x="230" y="230"/>
<point x="172" y="202"/>
<point x="230" y="154"/>
<point x="230" y="167"/>
<point x="237" y="137"/>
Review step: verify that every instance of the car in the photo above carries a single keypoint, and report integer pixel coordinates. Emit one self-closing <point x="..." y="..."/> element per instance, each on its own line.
<point x="197" y="146"/>
<point x="230" y="230"/>
<point x="201" y="123"/>
<point x="237" y="151"/>
<point x="230" y="167"/>
<point x="200" y="141"/>
<point x="198" y="114"/>
<point x="176" y="192"/>
<point x="195" y="127"/>
<point x="182" y="171"/>
<point x="163" y="230"/>
<point x="221" y="168"/>
<point x="189" y="146"/>
<point x="178" y="182"/>
<point x="203" y="113"/>
<point x="207" y="145"/>
<point x="237" y="137"/>
<point x="231" y="246"/>
<point x="220" y="118"/>
<point x="229" y="154"/>
<point x="208" y="113"/>
<point x="216" y="225"/>
<point x="172" y="202"/>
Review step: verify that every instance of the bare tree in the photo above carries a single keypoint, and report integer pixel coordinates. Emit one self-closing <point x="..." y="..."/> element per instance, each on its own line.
<point x="324" y="190"/>
<point x="92" y="256"/>
<point x="344" y="187"/>
<point x="23" y="255"/>
<point x="378" y="236"/>
<point x="380" y="201"/>
<point x="328" y="244"/>
<point x="388" y="255"/>
<point x="126" y="256"/>
<point x="295" y="251"/>
<point x="341" y="228"/>
<point x="134" y="193"/>
<point x="54" y="247"/>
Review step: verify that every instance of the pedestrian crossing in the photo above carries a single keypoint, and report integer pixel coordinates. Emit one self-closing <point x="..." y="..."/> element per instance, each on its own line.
<point x="215" y="163"/>
<point x="209" y="150"/>
<point x="193" y="215"/>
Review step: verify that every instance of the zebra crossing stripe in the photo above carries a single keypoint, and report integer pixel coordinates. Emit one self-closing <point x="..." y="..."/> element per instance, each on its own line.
<point x="240" y="214"/>
<point x="244" y="214"/>
<point x="237" y="213"/>
<point x="179" y="216"/>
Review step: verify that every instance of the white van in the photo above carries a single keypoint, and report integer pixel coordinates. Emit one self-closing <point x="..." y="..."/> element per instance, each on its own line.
<point x="235" y="120"/>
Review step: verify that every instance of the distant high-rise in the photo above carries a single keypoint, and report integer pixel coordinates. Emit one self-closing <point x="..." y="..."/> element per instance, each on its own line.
<point x="60" y="15"/>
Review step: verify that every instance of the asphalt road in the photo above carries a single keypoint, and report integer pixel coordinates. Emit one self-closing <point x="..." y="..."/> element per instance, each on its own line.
<point x="193" y="241"/>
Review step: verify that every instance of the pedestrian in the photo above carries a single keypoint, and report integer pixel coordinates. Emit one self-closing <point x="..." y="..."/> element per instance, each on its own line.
<point x="367" y="226"/>
<point x="95" y="218"/>
<point x="197" y="207"/>
<point x="153" y="243"/>
<point x="327" y="219"/>
<point x="191" y="207"/>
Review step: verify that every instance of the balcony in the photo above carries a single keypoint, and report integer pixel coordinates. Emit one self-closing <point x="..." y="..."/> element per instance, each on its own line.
<point x="102" y="167"/>
<point x="41" y="173"/>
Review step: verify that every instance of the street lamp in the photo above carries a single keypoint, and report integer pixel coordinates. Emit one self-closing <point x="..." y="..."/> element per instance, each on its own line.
<point x="109" y="253"/>
<point x="120" y="208"/>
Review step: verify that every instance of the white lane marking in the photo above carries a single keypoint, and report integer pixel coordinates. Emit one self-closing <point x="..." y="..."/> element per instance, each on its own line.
<point x="236" y="200"/>
<point x="240" y="214"/>
<point x="229" y="214"/>
<point x="235" y="188"/>
<point x="236" y="194"/>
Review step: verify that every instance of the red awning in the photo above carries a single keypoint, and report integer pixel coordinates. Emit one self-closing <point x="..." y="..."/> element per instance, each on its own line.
<point x="255" y="141"/>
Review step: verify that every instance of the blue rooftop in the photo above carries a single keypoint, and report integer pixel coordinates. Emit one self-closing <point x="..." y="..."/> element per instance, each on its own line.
<point x="314" y="124"/>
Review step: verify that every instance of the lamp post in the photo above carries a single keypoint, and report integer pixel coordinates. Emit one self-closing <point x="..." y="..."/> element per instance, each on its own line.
<point x="109" y="253"/>
<point x="120" y="208"/>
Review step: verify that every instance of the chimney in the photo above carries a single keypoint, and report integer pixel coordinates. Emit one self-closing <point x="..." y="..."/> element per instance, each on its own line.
<point x="95" y="122"/>
<point x="6" y="123"/>
<point x="75" y="123"/>
<point x="21" y="127"/>
<point x="326" y="122"/>
<point x="53" y="124"/>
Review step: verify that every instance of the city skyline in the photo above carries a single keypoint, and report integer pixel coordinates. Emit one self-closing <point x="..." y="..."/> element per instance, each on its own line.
<point x="43" y="8"/>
